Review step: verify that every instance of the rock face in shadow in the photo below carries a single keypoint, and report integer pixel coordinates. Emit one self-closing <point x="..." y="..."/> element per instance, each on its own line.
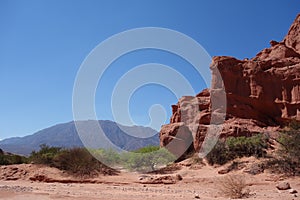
<point x="262" y="94"/>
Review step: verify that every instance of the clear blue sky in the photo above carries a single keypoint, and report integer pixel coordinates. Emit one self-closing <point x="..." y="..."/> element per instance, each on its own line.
<point x="43" y="43"/>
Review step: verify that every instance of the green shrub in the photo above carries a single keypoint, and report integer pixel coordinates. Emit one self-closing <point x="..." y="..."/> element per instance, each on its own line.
<point x="235" y="147"/>
<point x="143" y="159"/>
<point x="109" y="157"/>
<point x="17" y="159"/>
<point x="290" y="143"/>
<point x="147" y="158"/>
<point x="45" y="155"/>
<point x="147" y="149"/>
<point x="12" y="159"/>
<point x="287" y="160"/>
<point x="81" y="162"/>
<point x="247" y="146"/>
<point x="3" y="160"/>
<point x="219" y="154"/>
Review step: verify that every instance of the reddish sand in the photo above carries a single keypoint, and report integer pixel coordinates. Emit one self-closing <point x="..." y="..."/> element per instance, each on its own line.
<point x="201" y="180"/>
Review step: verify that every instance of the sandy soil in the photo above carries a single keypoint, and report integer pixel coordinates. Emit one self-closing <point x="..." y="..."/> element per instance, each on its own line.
<point x="16" y="183"/>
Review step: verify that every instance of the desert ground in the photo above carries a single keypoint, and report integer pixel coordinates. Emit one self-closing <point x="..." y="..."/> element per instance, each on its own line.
<point x="197" y="181"/>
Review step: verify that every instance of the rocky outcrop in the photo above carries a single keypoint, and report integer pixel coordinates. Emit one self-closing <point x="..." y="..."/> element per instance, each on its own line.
<point x="261" y="94"/>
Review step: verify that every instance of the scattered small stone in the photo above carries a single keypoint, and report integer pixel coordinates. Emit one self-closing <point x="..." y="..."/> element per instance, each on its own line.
<point x="179" y="177"/>
<point x="142" y="177"/>
<point x="295" y="195"/>
<point x="197" y="196"/>
<point x="293" y="191"/>
<point x="283" y="186"/>
<point x="223" y="171"/>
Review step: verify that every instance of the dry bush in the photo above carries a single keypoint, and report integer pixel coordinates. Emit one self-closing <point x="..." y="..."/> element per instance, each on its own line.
<point x="79" y="162"/>
<point x="234" y="186"/>
<point x="75" y="161"/>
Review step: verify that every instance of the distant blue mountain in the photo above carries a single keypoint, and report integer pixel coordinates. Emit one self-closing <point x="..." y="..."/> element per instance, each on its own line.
<point x="66" y="136"/>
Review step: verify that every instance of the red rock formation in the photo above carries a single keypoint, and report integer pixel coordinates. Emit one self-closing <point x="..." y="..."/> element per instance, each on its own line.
<point x="262" y="94"/>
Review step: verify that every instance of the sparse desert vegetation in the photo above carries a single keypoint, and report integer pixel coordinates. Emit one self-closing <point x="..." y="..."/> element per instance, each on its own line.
<point x="76" y="161"/>
<point x="235" y="157"/>
<point x="149" y="80"/>
<point x="83" y="162"/>
<point x="287" y="157"/>
<point x="284" y="160"/>
<point x="234" y="186"/>
<point x="10" y="159"/>
<point x="147" y="159"/>
<point x="236" y="147"/>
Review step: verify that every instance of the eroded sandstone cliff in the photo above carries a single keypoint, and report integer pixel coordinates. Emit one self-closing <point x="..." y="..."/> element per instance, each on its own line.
<point x="262" y="94"/>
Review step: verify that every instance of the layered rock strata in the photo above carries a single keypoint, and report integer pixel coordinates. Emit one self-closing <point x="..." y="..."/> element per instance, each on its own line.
<point x="261" y="94"/>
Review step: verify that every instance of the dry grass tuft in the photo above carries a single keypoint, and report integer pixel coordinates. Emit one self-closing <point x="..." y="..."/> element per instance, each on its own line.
<point x="234" y="186"/>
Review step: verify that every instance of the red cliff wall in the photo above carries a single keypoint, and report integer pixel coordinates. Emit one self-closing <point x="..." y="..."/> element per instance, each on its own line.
<point x="262" y="93"/>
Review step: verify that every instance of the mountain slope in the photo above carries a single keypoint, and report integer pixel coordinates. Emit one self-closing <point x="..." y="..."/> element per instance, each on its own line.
<point x="66" y="135"/>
